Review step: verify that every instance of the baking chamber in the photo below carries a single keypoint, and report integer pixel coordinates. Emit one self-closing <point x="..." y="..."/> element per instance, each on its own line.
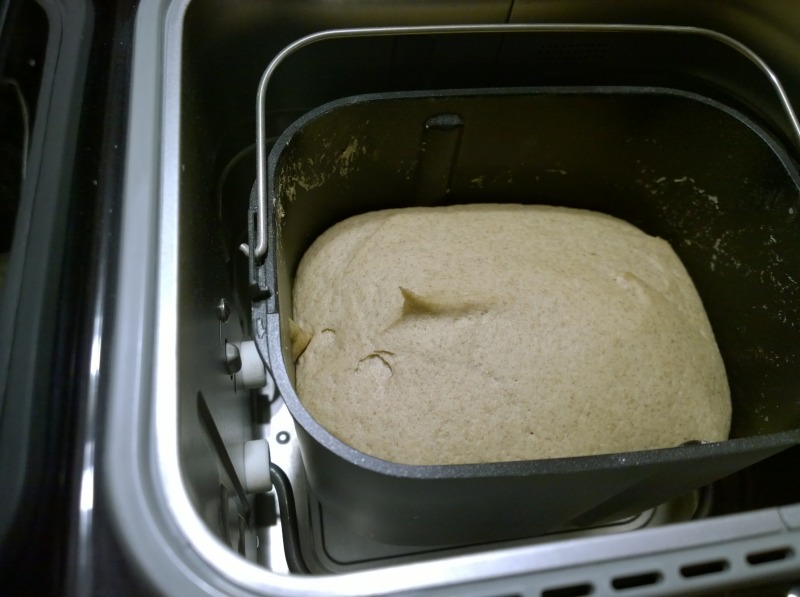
<point x="685" y="137"/>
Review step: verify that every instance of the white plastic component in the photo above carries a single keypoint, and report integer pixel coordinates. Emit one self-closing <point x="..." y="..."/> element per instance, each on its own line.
<point x="253" y="373"/>
<point x="256" y="466"/>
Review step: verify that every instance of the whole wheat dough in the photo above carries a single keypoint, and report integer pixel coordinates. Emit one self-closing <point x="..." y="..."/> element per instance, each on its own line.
<point x="489" y="333"/>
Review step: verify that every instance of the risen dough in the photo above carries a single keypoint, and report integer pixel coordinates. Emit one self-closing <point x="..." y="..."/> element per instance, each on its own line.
<point x="488" y="333"/>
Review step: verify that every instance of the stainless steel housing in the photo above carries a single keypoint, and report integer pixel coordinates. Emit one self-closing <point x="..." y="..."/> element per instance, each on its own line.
<point x="178" y="259"/>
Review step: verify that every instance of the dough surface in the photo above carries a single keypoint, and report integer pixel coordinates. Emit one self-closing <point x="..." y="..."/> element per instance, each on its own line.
<point x="489" y="333"/>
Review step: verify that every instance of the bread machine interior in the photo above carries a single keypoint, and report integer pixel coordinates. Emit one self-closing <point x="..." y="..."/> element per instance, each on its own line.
<point x="698" y="152"/>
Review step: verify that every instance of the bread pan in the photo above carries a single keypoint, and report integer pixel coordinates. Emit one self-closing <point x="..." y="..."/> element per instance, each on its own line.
<point x="676" y="164"/>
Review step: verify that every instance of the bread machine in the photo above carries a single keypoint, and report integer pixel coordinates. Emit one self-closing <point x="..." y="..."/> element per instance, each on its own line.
<point x="679" y="120"/>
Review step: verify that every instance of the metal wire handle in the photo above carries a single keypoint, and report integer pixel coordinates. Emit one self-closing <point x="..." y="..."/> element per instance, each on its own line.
<point x="260" y="249"/>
